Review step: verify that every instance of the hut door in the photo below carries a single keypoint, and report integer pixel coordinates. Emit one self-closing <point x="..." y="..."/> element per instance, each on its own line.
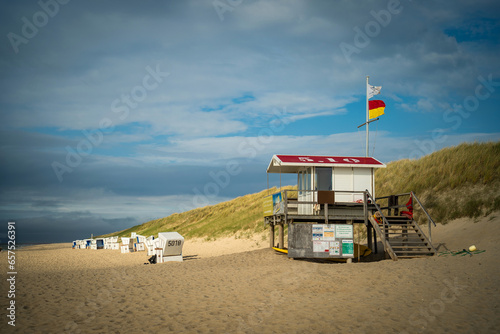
<point x="324" y="178"/>
<point x="305" y="193"/>
<point x="343" y="180"/>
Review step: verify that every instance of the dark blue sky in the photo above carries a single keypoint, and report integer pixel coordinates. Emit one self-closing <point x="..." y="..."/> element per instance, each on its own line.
<point x="119" y="112"/>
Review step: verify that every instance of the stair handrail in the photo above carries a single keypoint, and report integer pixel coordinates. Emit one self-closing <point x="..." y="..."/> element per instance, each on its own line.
<point x="423" y="208"/>
<point x="382" y="234"/>
<point x="429" y="219"/>
<point x="378" y="209"/>
<point x="384" y="220"/>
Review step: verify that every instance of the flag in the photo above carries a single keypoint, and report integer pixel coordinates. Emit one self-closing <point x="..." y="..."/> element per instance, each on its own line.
<point x="371" y="91"/>
<point x="376" y="108"/>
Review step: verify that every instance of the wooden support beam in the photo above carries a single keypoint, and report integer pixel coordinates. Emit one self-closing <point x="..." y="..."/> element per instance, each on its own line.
<point x="326" y="213"/>
<point x="281" y="237"/>
<point x="369" y="236"/>
<point x="396" y="203"/>
<point x="271" y="235"/>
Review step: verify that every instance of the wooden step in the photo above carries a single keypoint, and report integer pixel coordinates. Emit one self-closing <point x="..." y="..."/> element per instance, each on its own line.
<point x="411" y="246"/>
<point x="400" y="228"/>
<point x="399" y="221"/>
<point x="410" y="234"/>
<point x="413" y="252"/>
<point x="395" y="235"/>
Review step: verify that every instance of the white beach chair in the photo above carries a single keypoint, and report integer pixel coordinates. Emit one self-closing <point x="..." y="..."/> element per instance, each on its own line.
<point x="129" y="243"/>
<point x="159" y="245"/>
<point x="172" y="246"/>
<point x="150" y="246"/>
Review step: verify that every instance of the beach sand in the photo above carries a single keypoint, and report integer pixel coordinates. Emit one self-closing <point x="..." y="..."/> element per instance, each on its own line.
<point x="215" y="290"/>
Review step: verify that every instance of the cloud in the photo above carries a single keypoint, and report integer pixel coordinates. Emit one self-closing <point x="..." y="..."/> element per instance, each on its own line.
<point x="270" y="78"/>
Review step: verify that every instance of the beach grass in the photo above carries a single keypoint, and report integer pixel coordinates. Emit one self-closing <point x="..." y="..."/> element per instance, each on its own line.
<point x="455" y="182"/>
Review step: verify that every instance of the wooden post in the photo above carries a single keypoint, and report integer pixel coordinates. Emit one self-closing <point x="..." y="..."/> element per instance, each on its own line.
<point x="281" y="237"/>
<point x="390" y="202"/>
<point x="367" y="224"/>
<point x="369" y="236"/>
<point x="359" y="255"/>
<point x="430" y="236"/>
<point x="271" y="235"/>
<point x="396" y="203"/>
<point x="326" y="213"/>
<point x="285" y="204"/>
<point x="386" y="233"/>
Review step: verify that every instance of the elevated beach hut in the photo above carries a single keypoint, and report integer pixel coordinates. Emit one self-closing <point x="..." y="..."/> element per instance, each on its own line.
<point x="333" y="194"/>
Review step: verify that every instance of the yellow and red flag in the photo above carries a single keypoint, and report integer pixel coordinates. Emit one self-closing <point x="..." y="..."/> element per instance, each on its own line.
<point x="376" y="108"/>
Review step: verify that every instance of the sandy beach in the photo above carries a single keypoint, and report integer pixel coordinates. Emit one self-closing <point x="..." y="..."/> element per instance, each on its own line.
<point x="241" y="286"/>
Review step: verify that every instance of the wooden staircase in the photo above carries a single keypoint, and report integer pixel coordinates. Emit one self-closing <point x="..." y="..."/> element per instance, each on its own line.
<point x="402" y="237"/>
<point x="406" y="238"/>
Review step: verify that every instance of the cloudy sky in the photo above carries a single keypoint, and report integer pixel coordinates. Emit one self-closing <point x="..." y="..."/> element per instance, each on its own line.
<point x="117" y="112"/>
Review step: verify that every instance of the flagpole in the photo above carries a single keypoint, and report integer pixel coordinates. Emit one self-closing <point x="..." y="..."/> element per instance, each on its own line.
<point x="367" y="117"/>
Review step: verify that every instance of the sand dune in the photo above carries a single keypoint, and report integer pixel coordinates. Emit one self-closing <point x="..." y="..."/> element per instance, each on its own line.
<point x="215" y="290"/>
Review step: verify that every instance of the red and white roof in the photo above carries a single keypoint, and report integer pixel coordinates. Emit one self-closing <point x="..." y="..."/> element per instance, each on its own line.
<point x="293" y="163"/>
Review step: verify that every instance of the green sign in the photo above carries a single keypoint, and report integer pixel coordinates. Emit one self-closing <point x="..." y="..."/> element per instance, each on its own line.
<point x="347" y="248"/>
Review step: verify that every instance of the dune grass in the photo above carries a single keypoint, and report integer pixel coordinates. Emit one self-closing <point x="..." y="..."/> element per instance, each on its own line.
<point x="240" y="217"/>
<point x="460" y="181"/>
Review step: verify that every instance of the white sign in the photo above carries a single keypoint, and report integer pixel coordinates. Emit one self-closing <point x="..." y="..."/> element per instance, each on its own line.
<point x="321" y="246"/>
<point x="343" y="231"/>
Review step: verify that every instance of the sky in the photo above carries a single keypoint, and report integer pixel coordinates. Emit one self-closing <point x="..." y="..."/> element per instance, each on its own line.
<point x="118" y="112"/>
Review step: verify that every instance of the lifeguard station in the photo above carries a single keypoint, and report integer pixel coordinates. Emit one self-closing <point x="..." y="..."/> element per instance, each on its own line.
<point x="334" y="193"/>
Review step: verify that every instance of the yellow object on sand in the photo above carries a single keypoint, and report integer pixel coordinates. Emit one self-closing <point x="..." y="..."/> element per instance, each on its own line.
<point x="281" y="250"/>
<point x="472" y="248"/>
